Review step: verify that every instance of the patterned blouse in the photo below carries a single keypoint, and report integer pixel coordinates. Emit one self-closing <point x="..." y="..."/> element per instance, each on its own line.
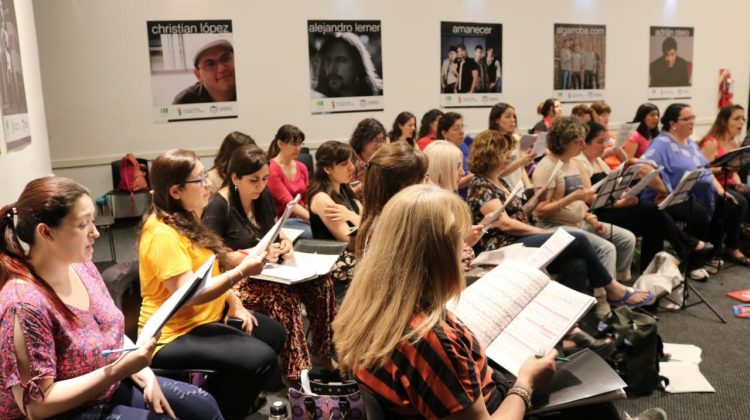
<point x="482" y="190"/>
<point x="57" y="349"/>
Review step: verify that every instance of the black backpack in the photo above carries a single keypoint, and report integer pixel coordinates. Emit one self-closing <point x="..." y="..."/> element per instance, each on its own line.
<point x="639" y="349"/>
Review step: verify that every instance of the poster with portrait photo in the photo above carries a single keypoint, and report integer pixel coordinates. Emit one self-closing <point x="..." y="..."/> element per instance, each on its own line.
<point x="192" y="69"/>
<point x="16" y="130"/>
<point x="470" y="64"/>
<point x="670" y="63"/>
<point x="346" y="65"/>
<point x="580" y="62"/>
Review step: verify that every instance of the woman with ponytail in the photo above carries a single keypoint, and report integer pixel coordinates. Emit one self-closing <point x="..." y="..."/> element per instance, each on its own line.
<point x="56" y="318"/>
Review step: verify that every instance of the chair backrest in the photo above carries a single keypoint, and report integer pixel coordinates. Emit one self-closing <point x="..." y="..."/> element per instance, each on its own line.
<point x="305" y="157"/>
<point x="116" y="172"/>
<point x="124" y="285"/>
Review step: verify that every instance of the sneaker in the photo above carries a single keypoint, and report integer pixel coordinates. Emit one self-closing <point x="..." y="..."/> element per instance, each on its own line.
<point x="655" y="413"/>
<point x="699" y="274"/>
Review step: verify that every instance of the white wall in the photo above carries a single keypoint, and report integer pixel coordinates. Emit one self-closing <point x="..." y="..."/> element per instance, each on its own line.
<point x="97" y="86"/>
<point x="32" y="161"/>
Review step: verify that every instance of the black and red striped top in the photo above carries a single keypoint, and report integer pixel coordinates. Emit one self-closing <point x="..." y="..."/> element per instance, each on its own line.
<point x="443" y="373"/>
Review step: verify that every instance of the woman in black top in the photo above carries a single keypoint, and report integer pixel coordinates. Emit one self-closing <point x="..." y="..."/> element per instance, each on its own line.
<point x="334" y="212"/>
<point x="241" y="212"/>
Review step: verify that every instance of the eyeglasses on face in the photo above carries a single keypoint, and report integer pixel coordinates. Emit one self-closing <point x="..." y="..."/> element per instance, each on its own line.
<point x="212" y="65"/>
<point x="202" y="181"/>
<point x="739" y="118"/>
<point x="687" y="119"/>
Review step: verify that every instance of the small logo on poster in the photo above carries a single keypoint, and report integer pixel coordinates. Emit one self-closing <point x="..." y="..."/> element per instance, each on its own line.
<point x="214" y="109"/>
<point x="179" y="111"/>
<point x="448" y="98"/>
<point x="164" y="110"/>
<point x="319" y="103"/>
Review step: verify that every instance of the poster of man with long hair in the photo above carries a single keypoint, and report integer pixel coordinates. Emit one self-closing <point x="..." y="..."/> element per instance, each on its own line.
<point x="15" y="115"/>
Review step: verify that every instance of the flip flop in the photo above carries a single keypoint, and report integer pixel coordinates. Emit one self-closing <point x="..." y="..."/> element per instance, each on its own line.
<point x="628" y="294"/>
<point x="744" y="261"/>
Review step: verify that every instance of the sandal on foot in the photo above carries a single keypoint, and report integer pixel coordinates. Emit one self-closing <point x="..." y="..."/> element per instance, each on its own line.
<point x="743" y="260"/>
<point x="628" y="294"/>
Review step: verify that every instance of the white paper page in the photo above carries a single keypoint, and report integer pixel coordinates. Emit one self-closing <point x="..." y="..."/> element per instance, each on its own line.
<point x="489" y="305"/>
<point x="642" y="184"/>
<point x="492" y="217"/>
<point x="540" y="145"/>
<point x="683" y="352"/>
<point x="527" y="142"/>
<point x="626" y="129"/>
<point x="181" y="296"/>
<point x="678" y="195"/>
<point x="292" y="234"/>
<point x="301" y="266"/>
<point x="551" y="248"/>
<point x="684" y="377"/>
<point x="539" y="326"/>
<point x="272" y="233"/>
<point x="496" y="256"/>
<point x="533" y="201"/>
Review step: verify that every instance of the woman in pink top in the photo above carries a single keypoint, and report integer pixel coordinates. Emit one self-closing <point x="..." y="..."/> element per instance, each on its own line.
<point x="647" y="117"/>
<point x="721" y="140"/>
<point x="288" y="177"/>
<point x="57" y="318"/>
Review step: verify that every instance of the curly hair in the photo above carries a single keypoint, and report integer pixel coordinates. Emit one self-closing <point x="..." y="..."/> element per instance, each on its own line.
<point x="564" y="130"/>
<point x="487" y="151"/>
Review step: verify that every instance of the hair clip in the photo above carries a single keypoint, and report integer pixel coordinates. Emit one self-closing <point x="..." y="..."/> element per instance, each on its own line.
<point x="11" y="212"/>
<point x="367" y="165"/>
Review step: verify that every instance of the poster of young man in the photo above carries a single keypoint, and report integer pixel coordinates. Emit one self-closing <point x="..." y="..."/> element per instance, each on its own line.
<point x="346" y="65"/>
<point x="192" y="69"/>
<point x="470" y="64"/>
<point x="670" y="66"/>
<point x="15" y="116"/>
<point x="580" y="62"/>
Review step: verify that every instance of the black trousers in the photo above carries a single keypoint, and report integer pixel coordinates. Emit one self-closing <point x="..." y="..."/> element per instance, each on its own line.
<point x="244" y="363"/>
<point x="724" y="222"/>
<point x="652" y="225"/>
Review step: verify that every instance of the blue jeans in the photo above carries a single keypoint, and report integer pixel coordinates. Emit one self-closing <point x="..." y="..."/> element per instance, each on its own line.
<point x="296" y="223"/>
<point x="187" y="402"/>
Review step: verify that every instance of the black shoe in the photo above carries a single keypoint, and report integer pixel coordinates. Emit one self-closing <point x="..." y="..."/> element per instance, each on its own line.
<point x="583" y="340"/>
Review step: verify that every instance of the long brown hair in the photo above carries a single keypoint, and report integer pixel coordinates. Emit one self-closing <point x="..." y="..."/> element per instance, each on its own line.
<point x="328" y="155"/>
<point x="231" y="142"/>
<point x="394" y="283"/>
<point x="246" y="160"/>
<point x="44" y="200"/>
<point x="721" y="124"/>
<point x="288" y="134"/>
<point x="170" y="168"/>
<point x="392" y="168"/>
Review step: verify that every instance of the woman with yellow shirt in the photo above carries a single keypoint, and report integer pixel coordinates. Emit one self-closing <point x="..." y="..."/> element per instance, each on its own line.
<point x="172" y="244"/>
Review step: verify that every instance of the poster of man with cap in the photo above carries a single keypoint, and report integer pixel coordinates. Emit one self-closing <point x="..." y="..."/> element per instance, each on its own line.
<point x="192" y="70"/>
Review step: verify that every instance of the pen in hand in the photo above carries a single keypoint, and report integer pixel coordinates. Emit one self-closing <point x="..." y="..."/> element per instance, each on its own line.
<point x="558" y="358"/>
<point x="124" y="349"/>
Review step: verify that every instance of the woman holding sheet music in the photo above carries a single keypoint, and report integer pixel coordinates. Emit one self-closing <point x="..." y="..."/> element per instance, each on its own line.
<point x="577" y="267"/>
<point x="678" y="153"/>
<point x="172" y="244"/>
<point x="642" y="218"/>
<point x="391" y="345"/>
<point x="503" y="119"/>
<point x="57" y="318"/>
<point x="647" y="117"/>
<point x="240" y="213"/>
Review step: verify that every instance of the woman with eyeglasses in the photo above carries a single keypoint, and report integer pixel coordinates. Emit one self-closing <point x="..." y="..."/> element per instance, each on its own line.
<point x="367" y="138"/>
<point x="173" y="243"/>
<point x="714" y="213"/>
<point x="57" y="317"/>
<point x="721" y="139"/>
<point x="289" y="177"/>
<point x="241" y="212"/>
<point x="451" y="128"/>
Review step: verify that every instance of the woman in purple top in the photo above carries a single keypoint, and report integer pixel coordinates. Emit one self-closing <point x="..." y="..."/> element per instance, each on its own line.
<point x="676" y="151"/>
<point x="56" y="318"/>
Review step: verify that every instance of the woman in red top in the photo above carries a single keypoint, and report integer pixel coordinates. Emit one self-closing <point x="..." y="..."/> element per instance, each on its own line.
<point x="721" y="139"/>
<point x="428" y="128"/>
<point x="288" y="177"/>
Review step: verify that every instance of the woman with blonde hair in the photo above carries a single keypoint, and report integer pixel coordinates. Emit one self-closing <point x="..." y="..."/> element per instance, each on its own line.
<point x="377" y="336"/>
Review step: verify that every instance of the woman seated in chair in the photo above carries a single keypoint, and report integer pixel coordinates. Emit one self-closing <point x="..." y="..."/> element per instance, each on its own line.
<point x="577" y="267"/>
<point x="289" y="177"/>
<point x="218" y="172"/>
<point x="57" y="317"/>
<point x="334" y="212"/>
<point x="241" y="212"/>
<point x="565" y="203"/>
<point x="391" y="345"/>
<point x="643" y="219"/>
<point x="173" y="243"/>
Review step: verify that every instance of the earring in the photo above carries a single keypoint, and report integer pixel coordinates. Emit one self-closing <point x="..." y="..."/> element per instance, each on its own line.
<point x="235" y="187"/>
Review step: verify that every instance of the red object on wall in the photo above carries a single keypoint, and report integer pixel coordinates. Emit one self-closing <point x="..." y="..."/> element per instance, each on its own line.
<point x="725" y="87"/>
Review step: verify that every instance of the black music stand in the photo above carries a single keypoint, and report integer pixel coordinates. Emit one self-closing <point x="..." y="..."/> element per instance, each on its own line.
<point x="681" y="194"/>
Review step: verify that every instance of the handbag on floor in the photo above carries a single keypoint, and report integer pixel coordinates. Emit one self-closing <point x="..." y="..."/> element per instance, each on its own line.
<point x="330" y="398"/>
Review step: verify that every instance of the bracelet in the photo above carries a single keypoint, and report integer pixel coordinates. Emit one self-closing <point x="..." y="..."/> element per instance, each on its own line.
<point x="233" y="279"/>
<point x="523" y="393"/>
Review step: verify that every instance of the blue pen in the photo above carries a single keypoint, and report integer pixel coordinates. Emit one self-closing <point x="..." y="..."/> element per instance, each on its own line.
<point x="558" y="358"/>
<point x="125" y="349"/>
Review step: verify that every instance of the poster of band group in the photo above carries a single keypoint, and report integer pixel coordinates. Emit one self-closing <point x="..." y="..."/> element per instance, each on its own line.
<point x="14" y="111"/>
<point x="470" y="64"/>
<point x="580" y="57"/>
<point x="346" y="65"/>
<point x="192" y="69"/>
<point x="670" y="62"/>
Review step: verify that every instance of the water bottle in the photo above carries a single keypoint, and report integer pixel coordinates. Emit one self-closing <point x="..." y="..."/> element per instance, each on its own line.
<point x="278" y="411"/>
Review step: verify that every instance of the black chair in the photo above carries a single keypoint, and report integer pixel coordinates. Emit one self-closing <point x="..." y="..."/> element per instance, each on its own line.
<point x="122" y="203"/>
<point x="305" y="157"/>
<point x="373" y="408"/>
<point x="124" y="285"/>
